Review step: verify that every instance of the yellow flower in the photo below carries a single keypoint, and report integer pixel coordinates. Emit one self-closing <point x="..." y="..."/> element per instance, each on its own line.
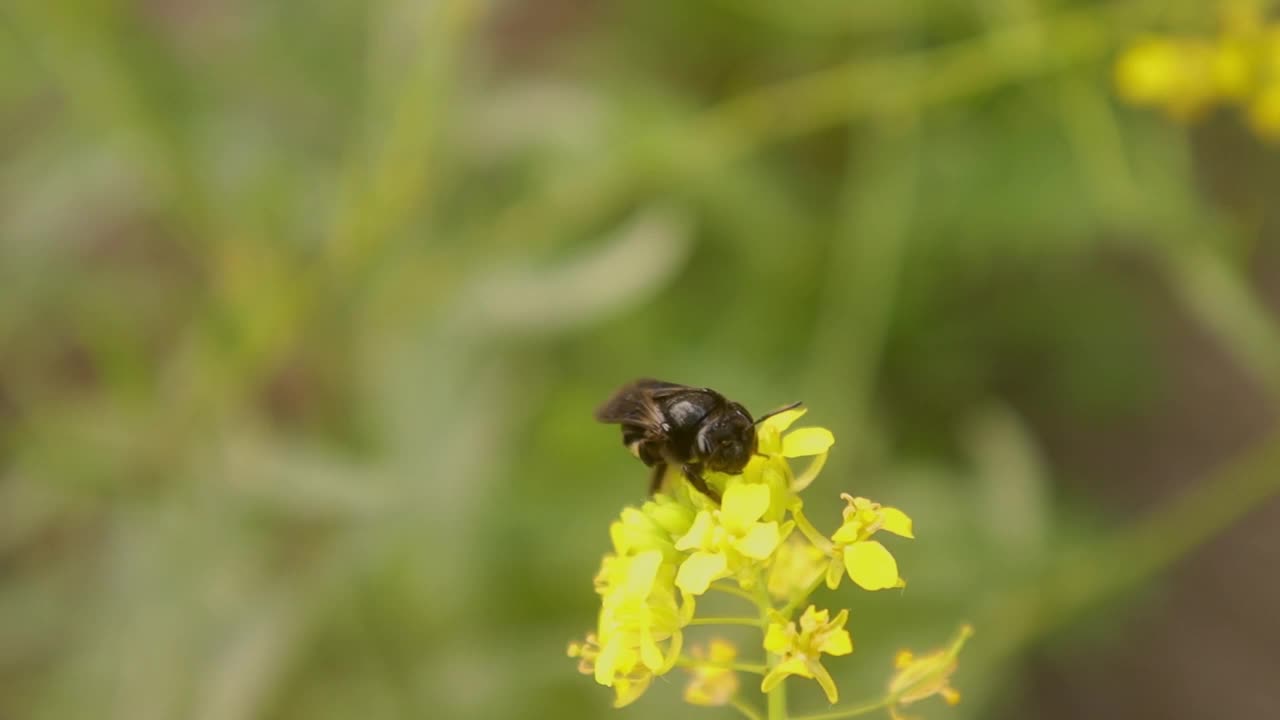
<point x="652" y="527"/>
<point x="628" y="686"/>
<point x="1264" y="112"/>
<point x="774" y="447"/>
<point x="868" y="563"/>
<point x="713" y="683"/>
<point x="797" y="564"/>
<point x="729" y="539"/>
<point x="801" y="650"/>
<point x="1185" y="76"/>
<point x="1148" y="71"/>
<point x="922" y="677"/>
<point x="638" y="613"/>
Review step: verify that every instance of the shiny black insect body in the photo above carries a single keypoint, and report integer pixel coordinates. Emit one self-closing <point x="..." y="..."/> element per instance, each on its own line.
<point x="666" y="424"/>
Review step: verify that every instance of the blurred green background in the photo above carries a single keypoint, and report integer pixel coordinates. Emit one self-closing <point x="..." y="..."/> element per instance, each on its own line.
<point x="304" y="309"/>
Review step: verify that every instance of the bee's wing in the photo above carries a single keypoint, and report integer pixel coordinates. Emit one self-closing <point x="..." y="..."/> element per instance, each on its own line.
<point x="635" y="403"/>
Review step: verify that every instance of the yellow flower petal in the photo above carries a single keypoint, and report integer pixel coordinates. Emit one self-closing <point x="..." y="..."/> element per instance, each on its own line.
<point x="768" y="440"/>
<point x="699" y="535"/>
<point x="607" y="663"/>
<point x="743" y="505"/>
<point x="793" y="666"/>
<point x="846" y="534"/>
<point x="825" y="681"/>
<point x="759" y="542"/>
<point x="835" y="570"/>
<point x="896" y="522"/>
<point x="673" y="653"/>
<point x="650" y="653"/>
<point x="641" y="572"/>
<point x="776" y="639"/>
<point x="699" y="570"/>
<point x="807" y="441"/>
<point x="838" y="643"/>
<point x="785" y="419"/>
<point x="806" y="478"/>
<point x="871" y="566"/>
<point x="628" y="691"/>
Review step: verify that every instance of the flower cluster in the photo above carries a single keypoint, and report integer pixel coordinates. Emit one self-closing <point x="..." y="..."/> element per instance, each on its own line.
<point x="1188" y="75"/>
<point x="677" y="547"/>
<point x="801" y="649"/>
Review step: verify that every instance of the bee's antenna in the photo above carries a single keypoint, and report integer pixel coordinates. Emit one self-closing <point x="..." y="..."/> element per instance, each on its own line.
<point x="782" y="409"/>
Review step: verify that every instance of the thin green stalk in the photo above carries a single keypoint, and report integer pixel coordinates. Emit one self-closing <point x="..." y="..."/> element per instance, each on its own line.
<point x="688" y="662"/>
<point x="1134" y="556"/>
<point x="809" y="531"/>
<point x="854" y="711"/>
<point x="752" y="622"/>
<point x="795" y="604"/>
<point x="778" y="701"/>
<point x="747" y="711"/>
<point x="776" y="697"/>
<point x="736" y="592"/>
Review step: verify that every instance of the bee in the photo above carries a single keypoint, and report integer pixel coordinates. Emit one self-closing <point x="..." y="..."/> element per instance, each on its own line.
<point x="695" y="429"/>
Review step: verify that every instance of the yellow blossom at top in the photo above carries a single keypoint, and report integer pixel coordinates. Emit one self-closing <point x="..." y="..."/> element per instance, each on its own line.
<point x="713" y="683"/>
<point x="925" y="676"/>
<point x="1188" y="75"/>
<point x="728" y="539"/>
<point x="769" y="466"/>
<point x="868" y="563"/>
<point x="801" y="648"/>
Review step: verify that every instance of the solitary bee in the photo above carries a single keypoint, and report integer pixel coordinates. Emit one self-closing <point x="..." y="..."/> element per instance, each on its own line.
<point x="687" y="427"/>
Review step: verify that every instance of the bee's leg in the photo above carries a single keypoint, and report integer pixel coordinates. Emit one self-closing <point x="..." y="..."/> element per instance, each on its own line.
<point x="656" y="476"/>
<point x="699" y="483"/>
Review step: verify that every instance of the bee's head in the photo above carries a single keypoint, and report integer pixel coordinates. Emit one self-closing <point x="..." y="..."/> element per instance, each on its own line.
<point x="727" y="439"/>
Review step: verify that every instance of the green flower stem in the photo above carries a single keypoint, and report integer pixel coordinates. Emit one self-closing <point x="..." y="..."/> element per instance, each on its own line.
<point x="777" y="697"/>
<point x="688" y="662"/>
<point x="795" y="604"/>
<point x="1134" y="555"/>
<point x="747" y="711"/>
<point x="819" y="540"/>
<point x="778" y="701"/>
<point x="849" y="712"/>
<point x="753" y="622"/>
<point x="738" y="592"/>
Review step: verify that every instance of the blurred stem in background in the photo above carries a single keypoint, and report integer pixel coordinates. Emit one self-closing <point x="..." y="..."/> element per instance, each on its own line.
<point x="865" y="262"/>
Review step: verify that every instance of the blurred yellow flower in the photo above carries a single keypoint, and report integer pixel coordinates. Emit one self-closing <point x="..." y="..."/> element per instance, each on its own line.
<point x="725" y="540"/>
<point x="801" y="649"/>
<point x="1181" y="75"/>
<point x="1185" y="76"/>
<point x="925" y="676"/>
<point x="868" y="563"/>
<point x="713" y="683"/>
<point x="1264" y="112"/>
<point x="797" y="564"/>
